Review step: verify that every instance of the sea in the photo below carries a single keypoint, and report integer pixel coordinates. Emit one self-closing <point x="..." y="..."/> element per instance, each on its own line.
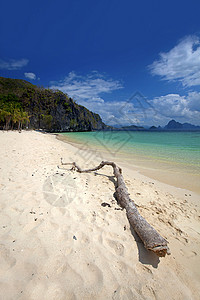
<point x="176" y="153"/>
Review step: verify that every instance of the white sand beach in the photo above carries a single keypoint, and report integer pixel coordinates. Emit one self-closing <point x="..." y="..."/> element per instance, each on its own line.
<point x="58" y="242"/>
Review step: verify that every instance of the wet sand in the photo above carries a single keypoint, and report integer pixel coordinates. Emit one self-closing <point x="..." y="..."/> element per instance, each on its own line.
<point x="172" y="173"/>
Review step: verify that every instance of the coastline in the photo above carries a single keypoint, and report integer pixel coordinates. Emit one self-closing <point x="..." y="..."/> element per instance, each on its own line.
<point x="62" y="243"/>
<point x="170" y="174"/>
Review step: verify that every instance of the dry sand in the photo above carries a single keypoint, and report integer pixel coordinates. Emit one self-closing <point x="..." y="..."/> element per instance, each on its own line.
<point x="58" y="242"/>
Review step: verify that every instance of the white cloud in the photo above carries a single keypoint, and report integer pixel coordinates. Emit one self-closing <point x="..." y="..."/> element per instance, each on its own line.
<point x="30" y="75"/>
<point x="181" y="63"/>
<point x="181" y="108"/>
<point x="135" y="111"/>
<point x="110" y="111"/>
<point x="158" y="111"/>
<point x="13" y="64"/>
<point x="89" y="87"/>
<point x="194" y="101"/>
<point x="88" y="91"/>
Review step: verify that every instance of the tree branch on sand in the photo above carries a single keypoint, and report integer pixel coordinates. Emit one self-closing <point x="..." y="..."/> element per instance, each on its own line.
<point x="150" y="237"/>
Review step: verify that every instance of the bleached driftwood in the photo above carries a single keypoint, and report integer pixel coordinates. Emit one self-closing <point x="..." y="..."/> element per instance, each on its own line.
<point x="150" y="237"/>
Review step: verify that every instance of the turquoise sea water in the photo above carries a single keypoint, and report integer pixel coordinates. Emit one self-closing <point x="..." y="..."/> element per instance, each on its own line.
<point x="172" y="149"/>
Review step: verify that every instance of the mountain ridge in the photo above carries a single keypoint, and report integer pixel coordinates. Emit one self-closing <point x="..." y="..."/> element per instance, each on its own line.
<point x="171" y="126"/>
<point x="174" y="125"/>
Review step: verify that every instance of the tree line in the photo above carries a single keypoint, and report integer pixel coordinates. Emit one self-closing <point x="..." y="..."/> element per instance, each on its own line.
<point x="12" y="114"/>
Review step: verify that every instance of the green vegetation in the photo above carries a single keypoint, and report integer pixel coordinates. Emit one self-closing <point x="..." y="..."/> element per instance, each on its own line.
<point x="12" y="114"/>
<point x="24" y="105"/>
<point x="47" y="120"/>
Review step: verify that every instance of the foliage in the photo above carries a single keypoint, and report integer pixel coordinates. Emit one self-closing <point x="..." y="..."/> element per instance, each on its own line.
<point x="23" y="104"/>
<point x="47" y="120"/>
<point x="11" y="112"/>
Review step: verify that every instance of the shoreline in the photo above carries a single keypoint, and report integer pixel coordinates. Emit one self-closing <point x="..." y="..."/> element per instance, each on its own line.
<point x="59" y="241"/>
<point x="154" y="170"/>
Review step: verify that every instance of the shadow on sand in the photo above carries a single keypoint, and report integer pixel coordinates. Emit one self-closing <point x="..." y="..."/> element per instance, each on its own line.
<point x="145" y="256"/>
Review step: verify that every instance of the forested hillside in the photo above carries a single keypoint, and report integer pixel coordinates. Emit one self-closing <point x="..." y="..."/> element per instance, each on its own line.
<point x="24" y="105"/>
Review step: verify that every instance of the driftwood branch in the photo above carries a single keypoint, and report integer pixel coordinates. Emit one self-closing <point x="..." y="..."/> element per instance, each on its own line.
<point x="150" y="237"/>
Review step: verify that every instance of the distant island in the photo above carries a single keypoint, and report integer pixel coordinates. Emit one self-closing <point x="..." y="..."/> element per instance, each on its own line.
<point x="132" y="128"/>
<point x="171" y="126"/>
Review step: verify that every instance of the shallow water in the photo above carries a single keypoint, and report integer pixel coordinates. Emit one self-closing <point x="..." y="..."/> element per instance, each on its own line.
<point x="173" y="147"/>
<point x="177" y="152"/>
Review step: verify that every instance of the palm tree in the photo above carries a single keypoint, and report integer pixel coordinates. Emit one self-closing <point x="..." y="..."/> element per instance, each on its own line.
<point x="16" y="117"/>
<point x="5" y="116"/>
<point x="25" y="119"/>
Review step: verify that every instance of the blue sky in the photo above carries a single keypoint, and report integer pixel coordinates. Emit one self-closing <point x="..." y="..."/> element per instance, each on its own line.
<point x="133" y="62"/>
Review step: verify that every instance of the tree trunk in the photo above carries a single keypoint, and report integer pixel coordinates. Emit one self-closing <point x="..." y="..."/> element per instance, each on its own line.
<point x="150" y="237"/>
<point x="8" y="119"/>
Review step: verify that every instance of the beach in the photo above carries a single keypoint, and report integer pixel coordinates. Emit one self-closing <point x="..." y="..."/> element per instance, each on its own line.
<point x="57" y="241"/>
